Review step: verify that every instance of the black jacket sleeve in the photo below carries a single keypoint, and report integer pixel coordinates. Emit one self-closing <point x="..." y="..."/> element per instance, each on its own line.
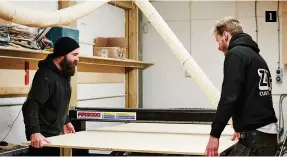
<point x="67" y="119"/>
<point x="234" y="76"/>
<point x="38" y="95"/>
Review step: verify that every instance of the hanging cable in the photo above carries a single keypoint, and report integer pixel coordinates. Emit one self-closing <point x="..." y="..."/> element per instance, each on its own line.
<point x="281" y="116"/>
<point x="256" y="22"/>
<point x="279" y="51"/>
<point x="11" y="126"/>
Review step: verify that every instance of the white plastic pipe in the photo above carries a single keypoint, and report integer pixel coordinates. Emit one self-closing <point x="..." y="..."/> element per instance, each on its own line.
<point x="180" y="52"/>
<point x="36" y="18"/>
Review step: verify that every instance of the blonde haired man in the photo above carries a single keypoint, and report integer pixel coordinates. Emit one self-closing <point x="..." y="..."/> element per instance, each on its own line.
<point x="246" y="94"/>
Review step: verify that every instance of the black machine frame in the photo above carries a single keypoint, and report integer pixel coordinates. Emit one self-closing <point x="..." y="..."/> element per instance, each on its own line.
<point x="79" y="117"/>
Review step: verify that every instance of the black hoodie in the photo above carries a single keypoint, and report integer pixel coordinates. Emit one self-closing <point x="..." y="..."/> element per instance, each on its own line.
<point x="246" y="89"/>
<point x="46" y="109"/>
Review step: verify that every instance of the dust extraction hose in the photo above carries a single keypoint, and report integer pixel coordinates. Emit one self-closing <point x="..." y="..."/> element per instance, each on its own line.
<point x="180" y="52"/>
<point x="35" y="18"/>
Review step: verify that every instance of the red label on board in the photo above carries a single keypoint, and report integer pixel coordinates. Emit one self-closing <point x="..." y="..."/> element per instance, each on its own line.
<point x="87" y="115"/>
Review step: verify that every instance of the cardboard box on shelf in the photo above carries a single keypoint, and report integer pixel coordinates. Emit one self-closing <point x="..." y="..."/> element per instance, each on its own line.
<point x="113" y="47"/>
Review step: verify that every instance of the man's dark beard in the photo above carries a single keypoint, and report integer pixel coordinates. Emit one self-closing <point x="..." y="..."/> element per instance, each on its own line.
<point x="67" y="67"/>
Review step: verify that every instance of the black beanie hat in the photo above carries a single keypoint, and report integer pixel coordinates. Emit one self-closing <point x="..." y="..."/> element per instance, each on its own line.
<point x="63" y="46"/>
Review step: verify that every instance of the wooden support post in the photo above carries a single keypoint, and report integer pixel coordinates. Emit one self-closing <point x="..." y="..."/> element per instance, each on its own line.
<point x="65" y="152"/>
<point x="127" y="74"/>
<point x="284" y="32"/>
<point x="132" y="76"/>
<point x="65" y="4"/>
<point x="122" y="4"/>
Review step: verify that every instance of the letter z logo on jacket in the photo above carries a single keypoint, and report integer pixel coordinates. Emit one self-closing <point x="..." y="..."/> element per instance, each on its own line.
<point x="265" y="83"/>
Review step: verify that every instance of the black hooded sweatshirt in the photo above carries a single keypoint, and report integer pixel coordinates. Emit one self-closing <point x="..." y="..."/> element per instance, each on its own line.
<point x="46" y="109"/>
<point x="246" y="89"/>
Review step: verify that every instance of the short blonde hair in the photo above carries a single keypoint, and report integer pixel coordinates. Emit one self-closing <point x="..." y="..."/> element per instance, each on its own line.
<point x="228" y="24"/>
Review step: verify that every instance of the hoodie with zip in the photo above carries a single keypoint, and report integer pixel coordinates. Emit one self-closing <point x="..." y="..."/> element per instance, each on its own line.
<point x="246" y="93"/>
<point x="45" y="110"/>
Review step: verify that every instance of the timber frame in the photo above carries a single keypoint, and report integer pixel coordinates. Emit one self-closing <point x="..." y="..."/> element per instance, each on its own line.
<point x="15" y="58"/>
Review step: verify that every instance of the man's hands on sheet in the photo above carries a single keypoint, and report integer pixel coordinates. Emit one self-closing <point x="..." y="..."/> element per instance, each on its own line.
<point x="38" y="140"/>
<point x="236" y="135"/>
<point x="212" y="146"/>
<point x="69" y="128"/>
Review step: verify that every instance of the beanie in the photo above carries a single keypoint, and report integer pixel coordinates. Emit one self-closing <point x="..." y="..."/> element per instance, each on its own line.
<point x="63" y="46"/>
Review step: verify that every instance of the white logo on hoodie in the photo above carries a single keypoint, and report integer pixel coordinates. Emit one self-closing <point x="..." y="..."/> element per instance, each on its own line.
<point x="265" y="83"/>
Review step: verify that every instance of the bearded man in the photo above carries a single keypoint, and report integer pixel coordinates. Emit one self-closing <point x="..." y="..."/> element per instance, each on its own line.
<point x="45" y="111"/>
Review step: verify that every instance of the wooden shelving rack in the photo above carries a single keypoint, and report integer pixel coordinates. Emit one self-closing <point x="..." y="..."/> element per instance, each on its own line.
<point x="90" y="69"/>
<point x="26" y="54"/>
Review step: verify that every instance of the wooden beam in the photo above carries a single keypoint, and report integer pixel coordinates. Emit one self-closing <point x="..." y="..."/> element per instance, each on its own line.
<point x="12" y="75"/>
<point x="15" y="78"/>
<point x="284" y="32"/>
<point x="133" y="74"/>
<point x="39" y="55"/>
<point x="89" y="73"/>
<point x="114" y="62"/>
<point x="127" y="73"/>
<point x="122" y="4"/>
<point x="23" y="53"/>
<point x="14" y="90"/>
<point x="95" y="78"/>
<point x="13" y="59"/>
<point x="65" y="4"/>
<point x="16" y="63"/>
<point x="99" y="68"/>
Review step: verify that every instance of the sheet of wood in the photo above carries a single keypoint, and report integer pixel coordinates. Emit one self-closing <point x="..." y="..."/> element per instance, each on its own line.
<point x="188" y="144"/>
<point x="8" y="147"/>
<point x="167" y="128"/>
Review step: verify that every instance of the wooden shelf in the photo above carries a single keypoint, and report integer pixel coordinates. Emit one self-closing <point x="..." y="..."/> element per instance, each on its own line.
<point x="122" y="4"/>
<point x="14" y="91"/>
<point x="14" y="58"/>
<point x="37" y="54"/>
<point x="114" y="62"/>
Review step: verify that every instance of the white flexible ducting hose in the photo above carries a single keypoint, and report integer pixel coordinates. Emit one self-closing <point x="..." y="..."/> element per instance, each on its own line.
<point x="180" y="52"/>
<point x="35" y="18"/>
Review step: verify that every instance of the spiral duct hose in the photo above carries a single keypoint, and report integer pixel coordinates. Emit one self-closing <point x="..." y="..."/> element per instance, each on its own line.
<point x="180" y="52"/>
<point x="35" y="18"/>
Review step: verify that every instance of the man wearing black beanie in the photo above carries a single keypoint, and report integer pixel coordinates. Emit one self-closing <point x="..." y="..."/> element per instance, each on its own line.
<point x="45" y="111"/>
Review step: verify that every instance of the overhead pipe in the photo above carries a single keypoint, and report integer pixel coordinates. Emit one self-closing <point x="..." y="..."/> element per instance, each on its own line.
<point x="36" y="18"/>
<point x="187" y="61"/>
<point x="179" y="51"/>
